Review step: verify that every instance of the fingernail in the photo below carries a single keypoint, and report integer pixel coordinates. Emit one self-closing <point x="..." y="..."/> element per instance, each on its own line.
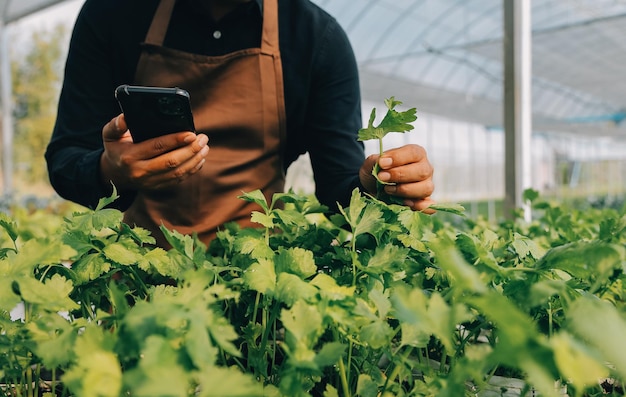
<point x="384" y="176"/>
<point x="117" y="123"/>
<point x="203" y="139"/>
<point x="409" y="203"/>
<point x="385" y="162"/>
<point x="390" y="189"/>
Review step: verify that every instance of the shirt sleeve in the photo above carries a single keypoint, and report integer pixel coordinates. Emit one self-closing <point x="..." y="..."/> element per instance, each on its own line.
<point x="86" y="104"/>
<point x="333" y="119"/>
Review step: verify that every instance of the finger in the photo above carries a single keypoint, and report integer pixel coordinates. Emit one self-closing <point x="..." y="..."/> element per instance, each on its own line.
<point x="414" y="190"/>
<point x="421" y="205"/>
<point x="365" y="174"/>
<point x="177" y="165"/>
<point x="191" y="142"/>
<point x="403" y="155"/>
<point x="412" y="172"/>
<point x="115" y="129"/>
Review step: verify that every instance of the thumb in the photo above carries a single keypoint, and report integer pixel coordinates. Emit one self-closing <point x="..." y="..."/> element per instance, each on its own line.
<point x="115" y="129"/>
<point x="365" y="174"/>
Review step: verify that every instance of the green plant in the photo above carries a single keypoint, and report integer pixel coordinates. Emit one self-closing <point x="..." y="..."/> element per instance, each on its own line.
<point x="374" y="300"/>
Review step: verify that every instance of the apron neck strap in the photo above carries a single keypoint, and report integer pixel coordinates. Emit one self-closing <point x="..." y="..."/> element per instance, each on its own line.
<point x="160" y="22"/>
<point x="269" y="41"/>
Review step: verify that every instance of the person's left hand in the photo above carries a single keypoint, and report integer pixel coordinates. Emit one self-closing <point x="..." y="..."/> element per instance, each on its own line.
<point x="409" y="173"/>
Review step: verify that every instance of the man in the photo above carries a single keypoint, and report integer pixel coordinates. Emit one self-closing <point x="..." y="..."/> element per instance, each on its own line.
<point x="269" y="80"/>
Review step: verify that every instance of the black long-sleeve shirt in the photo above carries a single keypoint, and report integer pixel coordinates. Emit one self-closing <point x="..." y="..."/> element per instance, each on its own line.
<point x="322" y="98"/>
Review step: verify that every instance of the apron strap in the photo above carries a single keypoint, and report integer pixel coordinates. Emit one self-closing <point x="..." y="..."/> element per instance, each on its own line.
<point x="269" y="40"/>
<point x="160" y="22"/>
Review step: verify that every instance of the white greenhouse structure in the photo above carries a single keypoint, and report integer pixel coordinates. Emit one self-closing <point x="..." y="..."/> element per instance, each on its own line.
<point x="510" y="94"/>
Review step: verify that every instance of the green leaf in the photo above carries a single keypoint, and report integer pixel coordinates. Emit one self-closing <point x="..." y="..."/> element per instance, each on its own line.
<point x="9" y="226"/>
<point x="107" y="219"/>
<point x="576" y="362"/>
<point x="253" y="245"/>
<point x="330" y="391"/>
<point x="120" y="253"/>
<point x="228" y="382"/>
<point x="361" y="217"/>
<point x="526" y="247"/>
<point x="104" y="201"/>
<point x="366" y="387"/>
<point x="222" y="333"/>
<point x="290" y="288"/>
<point x="451" y="208"/>
<point x="329" y="354"/>
<point x="381" y="301"/>
<point x="97" y="372"/>
<point x="264" y="220"/>
<point x="514" y="327"/>
<point x="303" y="322"/>
<point x="157" y="259"/>
<point x="377" y="334"/>
<point x="393" y="121"/>
<point x="159" y="373"/>
<point x="602" y="327"/>
<point x="583" y="259"/>
<point x="261" y="277"/>
<point x="296" y="260"/>
<point x="197" y="343"/>
<point x="182" y="243"/>
<point x="54" y="339"/>
<point x="53" y="295"/>
<point x="330" y="289"/>
<point x="36" y="253"/>
<point x="464" y="276"/>
<point x="414" y="335"/>
<point x="8" y="298"/>
<point x="89" y="267"/>
<point x="256" y="197"/>
<point x="387" y="259"/>
<point x="530" y="195"/>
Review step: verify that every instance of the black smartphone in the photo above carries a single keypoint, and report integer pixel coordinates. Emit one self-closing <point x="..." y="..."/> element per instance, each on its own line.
<point x="154" y="111"/>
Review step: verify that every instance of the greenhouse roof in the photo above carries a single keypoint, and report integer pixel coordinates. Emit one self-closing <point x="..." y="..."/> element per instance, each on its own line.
<point x="12" y="10"/>
<point x="445" y="57"/>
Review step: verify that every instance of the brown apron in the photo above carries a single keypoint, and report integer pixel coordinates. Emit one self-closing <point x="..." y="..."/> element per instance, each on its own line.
<point x="238" y="101"/>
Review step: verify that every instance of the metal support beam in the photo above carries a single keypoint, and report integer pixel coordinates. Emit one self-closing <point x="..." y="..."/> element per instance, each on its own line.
<point x="6" y="106"/>
<point x="517" y="104"/>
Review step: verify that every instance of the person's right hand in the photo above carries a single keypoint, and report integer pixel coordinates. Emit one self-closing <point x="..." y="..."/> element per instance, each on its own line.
<point x="152" y="164"/>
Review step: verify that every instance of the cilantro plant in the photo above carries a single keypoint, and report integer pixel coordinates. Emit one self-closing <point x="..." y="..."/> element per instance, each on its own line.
<point x="393" y="121"/>
<point x="373" y="300"/>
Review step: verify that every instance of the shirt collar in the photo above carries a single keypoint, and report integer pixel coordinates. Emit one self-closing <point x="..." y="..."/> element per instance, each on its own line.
<point x="259" y="3"/>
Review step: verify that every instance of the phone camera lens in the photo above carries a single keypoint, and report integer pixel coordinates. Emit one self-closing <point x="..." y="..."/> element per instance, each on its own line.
<point x="170" y="106"/>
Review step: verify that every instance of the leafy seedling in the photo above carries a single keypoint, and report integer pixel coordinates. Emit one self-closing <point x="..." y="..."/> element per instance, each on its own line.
<point x="393" y="121"/>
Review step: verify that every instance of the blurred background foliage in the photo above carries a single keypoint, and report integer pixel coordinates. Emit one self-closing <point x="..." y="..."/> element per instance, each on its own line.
<point x="37" y="71"/>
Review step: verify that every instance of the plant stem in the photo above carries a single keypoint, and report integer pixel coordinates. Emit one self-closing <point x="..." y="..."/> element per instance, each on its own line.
<point x="344" y="379"/>
<point x="550" y="319"/>
<point x="396" y="369"/>
<point x="256" y="306"/>
<point x="342" y="369"/>
<point x="350" y="347"/>
<point x="273" y="315"/>
<point x="29" y="382"/>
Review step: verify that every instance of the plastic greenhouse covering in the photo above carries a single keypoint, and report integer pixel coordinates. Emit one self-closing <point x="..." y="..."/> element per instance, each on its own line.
<point x="445" y="57"/>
